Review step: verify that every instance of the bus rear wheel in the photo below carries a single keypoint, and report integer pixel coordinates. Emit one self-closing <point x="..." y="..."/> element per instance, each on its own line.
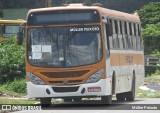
<point x="45" y="102"/>
<point x="120" y="97"/>
<point x="106" y="99"/>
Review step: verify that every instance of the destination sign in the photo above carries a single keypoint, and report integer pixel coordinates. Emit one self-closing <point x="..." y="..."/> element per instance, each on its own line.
<point x="84" y="29"/>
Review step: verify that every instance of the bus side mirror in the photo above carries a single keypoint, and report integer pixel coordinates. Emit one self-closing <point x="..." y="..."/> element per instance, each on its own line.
<point x="20" y="38"/>
<point x="20" y="34"/>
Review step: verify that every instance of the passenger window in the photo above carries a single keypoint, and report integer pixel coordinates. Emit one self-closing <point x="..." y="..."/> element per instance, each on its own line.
<point x="113" y="26"/>
<point x="116" y="26"/>
<point x="120" y="25"/>
<point x="130" y="28"/>
<point x="125" y="28"/>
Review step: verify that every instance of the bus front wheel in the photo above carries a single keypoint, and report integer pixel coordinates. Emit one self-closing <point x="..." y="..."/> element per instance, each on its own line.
<point x="106" y="99"/>
<point x="45" y="102"/>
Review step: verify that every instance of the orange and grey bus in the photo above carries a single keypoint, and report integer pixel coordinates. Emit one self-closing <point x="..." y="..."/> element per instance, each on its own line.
<point x="77" y="51"/>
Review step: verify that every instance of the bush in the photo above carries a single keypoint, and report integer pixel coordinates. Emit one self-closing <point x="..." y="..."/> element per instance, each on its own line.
<point x="12" y="61"/>
<point x="18" y="86"/>
<point x="151" y="35"/>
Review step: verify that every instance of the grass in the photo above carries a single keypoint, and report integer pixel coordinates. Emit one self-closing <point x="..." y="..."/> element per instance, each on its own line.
<point x="10" y="93"/>
<point x="4" y="100"/>
<point x="147" y="94"/>
<point x="16" y="88"/>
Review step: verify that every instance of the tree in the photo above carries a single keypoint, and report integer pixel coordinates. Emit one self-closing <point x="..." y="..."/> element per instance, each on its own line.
<point x="150" y="14"/>
<point x="150" y="20"/>
<point x="151" y="35"/>
<point x="48" y="3"/>
<point x="1" y="9"/>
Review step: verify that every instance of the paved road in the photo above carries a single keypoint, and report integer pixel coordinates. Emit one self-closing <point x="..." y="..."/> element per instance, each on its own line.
<point x="96" y="107"/>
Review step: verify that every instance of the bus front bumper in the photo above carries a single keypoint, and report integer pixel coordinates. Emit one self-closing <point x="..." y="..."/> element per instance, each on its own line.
<point x="100" y="88"/>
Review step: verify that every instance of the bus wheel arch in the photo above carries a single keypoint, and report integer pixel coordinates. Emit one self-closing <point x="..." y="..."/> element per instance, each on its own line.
<point x="130" y="96"/>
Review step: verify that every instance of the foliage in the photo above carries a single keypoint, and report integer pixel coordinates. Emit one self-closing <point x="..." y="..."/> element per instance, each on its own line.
<point x="150" y="14"/>
<point x="156" y="53"/>
<point x="121" y="5"/>
<point x="150" y="20"/>
<point x="18" y="86"/>
<point x="12" y="61"/>
<point x="151" y="35"/>
<point x="1" y="9"/>
<point x="157" y="72"/>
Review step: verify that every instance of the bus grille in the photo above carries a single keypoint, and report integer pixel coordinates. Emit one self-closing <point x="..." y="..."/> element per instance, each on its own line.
<point x="69" y="74"/>
<point x="65" y="89"/>
<point x="69" y="82"/>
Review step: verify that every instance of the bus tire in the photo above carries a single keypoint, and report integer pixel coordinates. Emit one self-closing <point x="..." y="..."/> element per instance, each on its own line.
<point x="130" y="96"/>
<point x="120" y="97"/>
<point x="67" y="99"/>
<point x="106" y="99"/>
<point x="45" y="102"/>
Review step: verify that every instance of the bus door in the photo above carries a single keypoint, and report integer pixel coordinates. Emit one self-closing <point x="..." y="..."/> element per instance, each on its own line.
<point x="108" y="34"/>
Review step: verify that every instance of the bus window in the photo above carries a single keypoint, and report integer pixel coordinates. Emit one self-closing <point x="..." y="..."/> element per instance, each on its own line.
<point x="130" y="28"/>
<point x="125" y="28"/>
<point x="116" y="26"/>
<point x="120" y="26"/>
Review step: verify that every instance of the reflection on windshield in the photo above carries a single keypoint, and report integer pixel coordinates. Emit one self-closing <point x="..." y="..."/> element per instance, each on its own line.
<point x="61" y="47"/>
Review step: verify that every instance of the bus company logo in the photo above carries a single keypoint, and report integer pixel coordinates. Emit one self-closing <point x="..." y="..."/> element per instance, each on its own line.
<point x="65" y="82"/>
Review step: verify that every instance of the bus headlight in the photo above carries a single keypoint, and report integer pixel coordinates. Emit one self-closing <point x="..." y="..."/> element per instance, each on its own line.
<point x="34" y="79"/>
<point x="96" y="76"/>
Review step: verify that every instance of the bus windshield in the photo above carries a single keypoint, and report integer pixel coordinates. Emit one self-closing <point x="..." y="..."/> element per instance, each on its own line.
<point x="64" y="47"/>
<point x="10" y="30"/>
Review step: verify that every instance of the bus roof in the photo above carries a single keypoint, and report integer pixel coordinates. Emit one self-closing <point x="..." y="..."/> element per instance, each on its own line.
<point x="103" y="11"/>
<point x="19" y="21"/>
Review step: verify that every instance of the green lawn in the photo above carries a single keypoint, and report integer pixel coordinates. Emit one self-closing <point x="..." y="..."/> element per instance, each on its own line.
<point x="4" y="100"/>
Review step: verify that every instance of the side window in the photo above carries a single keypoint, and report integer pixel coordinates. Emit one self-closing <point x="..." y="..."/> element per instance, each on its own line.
<point x="135" y="29"/>
<point x="109" y="34"/>
<point x="120" y="25"/>
<point x="116" y="26"/>
<point x="123" y="34"/>
<point x="114" y="34"/>
<point x="139" y="31"/>
<point x="120" y="36"/>
<point x="139" y="34"/>
<point x="126" y="35"/>
<point x="125" y="28"/>
<point x="130" y="28"/>
<point x="113" y="26"/>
